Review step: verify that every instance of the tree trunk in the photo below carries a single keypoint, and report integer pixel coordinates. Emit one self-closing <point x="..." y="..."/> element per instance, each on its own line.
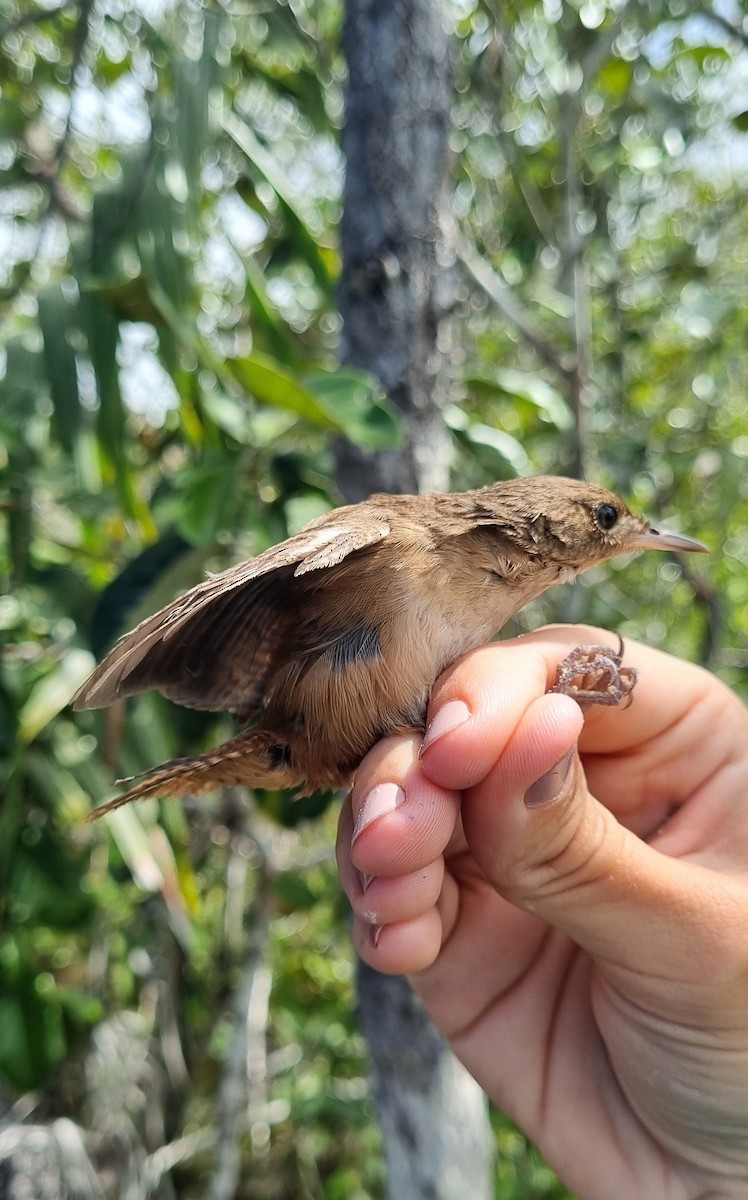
<point x="438" y="1143"/>
<point x="393" y="284"/>
<point x="394" y="297"/>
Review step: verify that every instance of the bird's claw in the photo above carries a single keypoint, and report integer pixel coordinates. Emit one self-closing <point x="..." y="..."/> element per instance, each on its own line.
<point x="594" y="675"/>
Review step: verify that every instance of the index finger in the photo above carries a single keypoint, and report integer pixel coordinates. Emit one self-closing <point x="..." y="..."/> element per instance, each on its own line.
<point x="679" y="712"/>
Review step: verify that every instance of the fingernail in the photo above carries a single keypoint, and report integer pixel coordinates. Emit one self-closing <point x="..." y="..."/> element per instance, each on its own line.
<point x="376" y="933"/>
<point x="547" y="789"/>
<point x="449" y="716"/>
<point x="364" y="880"/>
<point x="382" y="799"/>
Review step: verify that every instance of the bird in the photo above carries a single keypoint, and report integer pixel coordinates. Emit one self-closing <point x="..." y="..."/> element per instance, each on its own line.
<point x="332" y="639"/>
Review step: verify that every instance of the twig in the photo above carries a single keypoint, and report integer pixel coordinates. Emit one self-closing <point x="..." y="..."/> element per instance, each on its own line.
<point x="49" y="180"/>
<point x="80" y="37"/>
<point x="498" y="292"/>
<point x="710" y="601"/>
<point x="723" y="23"/>
<point x="163" y="1160"/>
<point x="245" y="1069"/>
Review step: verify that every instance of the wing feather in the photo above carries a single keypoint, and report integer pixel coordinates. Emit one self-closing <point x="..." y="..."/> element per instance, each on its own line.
<point x="213" y="647"/>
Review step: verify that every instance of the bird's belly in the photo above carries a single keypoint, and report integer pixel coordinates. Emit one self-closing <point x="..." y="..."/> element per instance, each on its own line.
<point x="331" y="717"/>
<point x="333" y="707"/>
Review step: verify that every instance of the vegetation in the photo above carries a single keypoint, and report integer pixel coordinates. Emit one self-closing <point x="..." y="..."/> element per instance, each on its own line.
<point x="171" y="181"/>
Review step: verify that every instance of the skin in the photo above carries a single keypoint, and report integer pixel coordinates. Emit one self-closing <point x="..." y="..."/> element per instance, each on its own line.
<point x="587" y="958"/>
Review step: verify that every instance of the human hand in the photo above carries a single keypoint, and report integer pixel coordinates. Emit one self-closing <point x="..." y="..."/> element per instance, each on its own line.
<point x="586" y="954"/>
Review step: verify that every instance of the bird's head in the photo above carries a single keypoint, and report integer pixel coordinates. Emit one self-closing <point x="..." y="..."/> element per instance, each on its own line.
<point x="580" y="524"/>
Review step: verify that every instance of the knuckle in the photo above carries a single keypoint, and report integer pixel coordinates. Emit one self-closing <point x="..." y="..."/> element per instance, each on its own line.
<point x="578" y="857"/>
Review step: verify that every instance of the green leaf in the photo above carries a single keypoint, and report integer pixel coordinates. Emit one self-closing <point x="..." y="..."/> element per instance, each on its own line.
<point x="193" y="80"/>
<point x="530" y="388"/>
<point x="508" y="447"/>
<point x="264" y="314"/>
<point x="53" y="693"/>
<point x="57" y="319"/>
<point x="294" y="892"/>
<point x="267" y="166"/>
<point x="32" y="1040"/>
<point x="615" y="77"/>
<point x="357" y="403"/>
<point x="205" y="498"/>
<point x="272" y="384"/>
<point x="24" y="378"/>
<point x="44" y="882"/>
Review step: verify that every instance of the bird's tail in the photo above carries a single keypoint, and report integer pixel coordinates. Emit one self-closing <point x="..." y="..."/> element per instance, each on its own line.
<point x="255" y="758"/>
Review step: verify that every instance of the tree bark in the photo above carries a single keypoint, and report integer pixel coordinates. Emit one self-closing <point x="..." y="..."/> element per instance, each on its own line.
<point x="392" y="292"/>
<point x="433" y="1116"/>
<point x="395" y="298"/>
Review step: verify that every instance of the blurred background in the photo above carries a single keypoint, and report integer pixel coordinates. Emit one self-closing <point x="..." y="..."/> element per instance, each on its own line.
<point x="171" y="185"/>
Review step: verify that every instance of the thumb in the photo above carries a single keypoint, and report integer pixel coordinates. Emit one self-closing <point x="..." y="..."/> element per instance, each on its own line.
<point x="550" y="848"/>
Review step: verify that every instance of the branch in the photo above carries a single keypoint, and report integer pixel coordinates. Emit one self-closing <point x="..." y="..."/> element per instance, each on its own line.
<point x="50" y="178"/>
<point x="498" y="292"/>
<point x="163" y="1160"/>
<point x="245" y="1069"/>
<point x="722" y="22"/>
<point x="80" y="37"/>
<point x="709" y="599"/>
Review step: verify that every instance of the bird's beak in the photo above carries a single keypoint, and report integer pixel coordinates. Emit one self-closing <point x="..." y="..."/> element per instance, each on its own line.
<point x="663" y="539"/>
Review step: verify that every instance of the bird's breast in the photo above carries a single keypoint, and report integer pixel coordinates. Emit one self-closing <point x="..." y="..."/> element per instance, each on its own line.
<point x="368" y="651"/>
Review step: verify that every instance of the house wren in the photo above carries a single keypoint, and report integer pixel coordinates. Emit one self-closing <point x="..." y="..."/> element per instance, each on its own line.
<point x="332" y="639"/>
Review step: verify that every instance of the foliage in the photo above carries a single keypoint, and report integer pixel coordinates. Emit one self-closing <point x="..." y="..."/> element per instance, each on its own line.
<point x="600" y="191"/>
<point x="171" y="186"/>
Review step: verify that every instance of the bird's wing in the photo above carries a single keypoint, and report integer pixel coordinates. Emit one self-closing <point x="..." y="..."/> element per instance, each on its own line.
<point x="213" y="647"/>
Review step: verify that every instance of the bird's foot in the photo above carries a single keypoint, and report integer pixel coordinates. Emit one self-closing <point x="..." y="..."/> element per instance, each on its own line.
<point x="594" y="675"/>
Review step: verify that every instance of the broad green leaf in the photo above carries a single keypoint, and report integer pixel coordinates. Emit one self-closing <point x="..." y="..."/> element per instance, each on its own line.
<point x="60" y="788"/>
<point x="510" y="449"/>
<point x="24" y="378"/>
<point x="272" y="384"/>
<point x="531" y="388"/>
<point x="53" y="693"/>
<point x="194" y="79"/>
<point x="265" y="314"/>
<point x="356" y="401"/>
<point x="615" y="77"/>
<point x="205" y="500"/>
<point x="44" y="882"/>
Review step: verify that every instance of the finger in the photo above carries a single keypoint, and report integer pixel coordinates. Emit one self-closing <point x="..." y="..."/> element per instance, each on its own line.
<point x="672" y="764"/>
<point x="400" y="922"/>
<point x="403" y="948"/>
<point x="382" y="901"/>
<point x="402" y="820"/>
<point x="478" y="703"/>
<point x="667" y="689"/>
<point x="393" y="831"/>
<point x="551" y="849"/>
<point x="644" y="761"/>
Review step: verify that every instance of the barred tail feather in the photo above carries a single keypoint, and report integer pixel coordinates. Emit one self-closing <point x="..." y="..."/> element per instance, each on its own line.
<point x="254" y="758"/>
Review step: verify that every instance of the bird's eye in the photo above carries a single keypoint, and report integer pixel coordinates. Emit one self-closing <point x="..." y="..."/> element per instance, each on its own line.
<point x="606" y="516"/>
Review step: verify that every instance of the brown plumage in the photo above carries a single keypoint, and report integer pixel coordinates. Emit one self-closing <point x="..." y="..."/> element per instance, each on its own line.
<point x="333" y="638"/>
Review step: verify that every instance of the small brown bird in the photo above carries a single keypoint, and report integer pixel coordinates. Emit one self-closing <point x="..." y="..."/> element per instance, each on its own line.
<point x="333" y="639"/>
